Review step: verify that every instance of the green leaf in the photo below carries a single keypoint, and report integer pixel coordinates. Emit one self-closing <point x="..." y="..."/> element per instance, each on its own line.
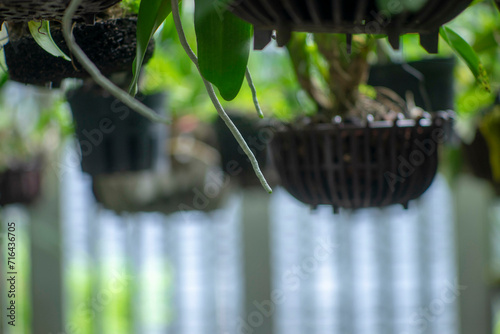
<point x="152" y="13"/>
<point x="41" y="34"/>
<point x="223" y="46"/>
<point x="468" y="55"/>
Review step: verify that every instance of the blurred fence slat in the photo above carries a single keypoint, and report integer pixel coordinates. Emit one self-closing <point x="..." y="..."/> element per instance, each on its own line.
<point x="47" y="258"/>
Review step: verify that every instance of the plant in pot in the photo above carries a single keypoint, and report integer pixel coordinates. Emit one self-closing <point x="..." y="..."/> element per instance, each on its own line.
<point x="36" y="52"/>
<point x="33" y="123"/>
<point x="361" y="148"/>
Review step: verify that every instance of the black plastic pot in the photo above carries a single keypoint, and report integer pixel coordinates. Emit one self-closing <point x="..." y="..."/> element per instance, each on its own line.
<point x="347" y="17"/>
<point x="430" y="81"/>
<point x="112" y="137"/>
<point x="110" y="44"/>
<point x="354" y="167"/>
<point x="28" y="10"/>
<point x="234" y="161"/>
<point x="20" y="184"/>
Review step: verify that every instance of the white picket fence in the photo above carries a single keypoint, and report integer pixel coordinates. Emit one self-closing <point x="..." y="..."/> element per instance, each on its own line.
<point x="386" y="271"/>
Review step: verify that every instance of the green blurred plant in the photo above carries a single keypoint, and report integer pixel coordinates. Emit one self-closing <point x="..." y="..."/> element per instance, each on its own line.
<point x="171" y="70"/>
<point x="32" y="123"/>
<point x="335" y="79"/>
<point x="480" y="26"/>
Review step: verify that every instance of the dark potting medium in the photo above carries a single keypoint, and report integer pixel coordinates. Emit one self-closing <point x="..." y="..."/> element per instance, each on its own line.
<point x="112" y="137"/>
<point x="352" y="167"/>
<point x="431" y="81"/>
<point x="110" y="44"/>
<point x="28" y="10"/>
<point x="20" y="184"/>
<point x="347" y="17"/>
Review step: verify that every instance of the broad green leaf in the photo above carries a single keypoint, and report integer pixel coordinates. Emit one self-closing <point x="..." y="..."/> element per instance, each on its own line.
<point x="468" y="55"/>
<point x="41" y="34"/>
<point x="152" y="13"/>
<point x="223" y="46"/>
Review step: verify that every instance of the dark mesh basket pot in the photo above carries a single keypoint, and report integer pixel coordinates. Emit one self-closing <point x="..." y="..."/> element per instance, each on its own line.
<point x="354" y="167"/>
<point x="347" y="16"/>
<point x="20" y="184"/>
<point x="112" y="137"/>
<point x="110" y="44"/>
<point x="431" y="81"/>
<point x="28" y="10"/>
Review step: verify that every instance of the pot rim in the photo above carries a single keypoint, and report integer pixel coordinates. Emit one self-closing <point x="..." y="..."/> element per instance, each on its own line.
<point x="438" y="121"/>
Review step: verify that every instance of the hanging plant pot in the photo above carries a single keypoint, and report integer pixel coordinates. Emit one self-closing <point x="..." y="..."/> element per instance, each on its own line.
<point x="353" y="167"/>
<point x="192" y="182"/>
<point x="112" y="137"/>
<point x="479" y="154"/>
<point x="110" y="44"/>
<point x="234" y="161"/>
<point x="431" y="81"/>
<point x="348" y="17"/>
<point x="20" y="184"/>
<point x="28" y="10"/>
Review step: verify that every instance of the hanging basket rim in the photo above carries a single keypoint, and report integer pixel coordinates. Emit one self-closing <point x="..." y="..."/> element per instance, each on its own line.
<point x="380" y="124"/>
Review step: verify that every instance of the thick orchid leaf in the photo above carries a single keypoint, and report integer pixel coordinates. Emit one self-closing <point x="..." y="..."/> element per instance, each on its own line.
<point x="152" y="13"/>
<point x="468" y="55"/>
<point x="224" y="43"/>
<point x="41" y="34"/>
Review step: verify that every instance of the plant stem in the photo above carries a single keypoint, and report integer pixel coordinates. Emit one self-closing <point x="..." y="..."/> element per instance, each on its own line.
<point x="254" y="94"/>
<point x="213" y="96"/>
<point x="94" y="72"/>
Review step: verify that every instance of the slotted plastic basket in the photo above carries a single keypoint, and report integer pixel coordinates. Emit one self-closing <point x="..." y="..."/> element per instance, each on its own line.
<point x="28" y="10"/>
<point x="347" y="17"/>
<point x="354" y="167"/>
